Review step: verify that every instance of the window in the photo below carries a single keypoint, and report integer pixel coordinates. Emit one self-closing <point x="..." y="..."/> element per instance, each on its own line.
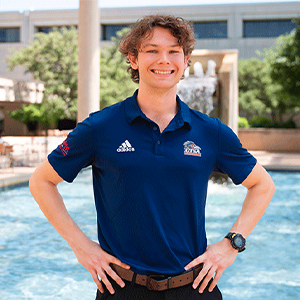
<point x="10" y="35"/>
<point x="210" y="30"/>
<point x="44" y="29"/>
<point x="48" y="29"/>
<point x="109" y="31"/>
<point x="267" y="28"/>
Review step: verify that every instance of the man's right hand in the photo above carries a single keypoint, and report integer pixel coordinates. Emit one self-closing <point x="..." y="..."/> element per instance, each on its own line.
<point x="97" y="262"/>
<point x="43" y="187"/>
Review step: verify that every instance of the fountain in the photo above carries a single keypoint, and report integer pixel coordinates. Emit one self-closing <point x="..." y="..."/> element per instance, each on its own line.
<point x="197" y="90"/>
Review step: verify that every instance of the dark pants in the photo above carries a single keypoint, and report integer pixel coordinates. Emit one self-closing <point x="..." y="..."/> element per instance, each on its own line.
<point x="138" y="292"/>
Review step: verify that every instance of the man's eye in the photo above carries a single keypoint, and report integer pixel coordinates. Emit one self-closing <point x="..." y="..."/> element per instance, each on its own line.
<point x="175" y="51"/>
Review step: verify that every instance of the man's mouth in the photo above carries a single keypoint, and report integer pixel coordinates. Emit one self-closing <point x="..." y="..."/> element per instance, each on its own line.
<point x="163" y="72"/>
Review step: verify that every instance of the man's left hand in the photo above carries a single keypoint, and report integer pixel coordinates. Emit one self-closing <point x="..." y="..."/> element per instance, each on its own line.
<point x="215" y="259"/>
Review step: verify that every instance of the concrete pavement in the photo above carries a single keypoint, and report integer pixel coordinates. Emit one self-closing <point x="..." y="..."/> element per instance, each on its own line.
<point x="276" y="161"/>
<point x="27" y="151"/>
<point x="13" y="177"/>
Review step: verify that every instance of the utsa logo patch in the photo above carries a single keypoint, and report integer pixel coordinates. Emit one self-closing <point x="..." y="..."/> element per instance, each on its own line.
<point x="64" y="147"/>
<point x="190" y="148"/>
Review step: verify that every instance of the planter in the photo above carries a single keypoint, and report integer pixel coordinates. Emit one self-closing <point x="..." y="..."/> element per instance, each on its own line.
<point x="66" y="124"/>
<point x="270" y="139"/>
<point x="32" y="126"/>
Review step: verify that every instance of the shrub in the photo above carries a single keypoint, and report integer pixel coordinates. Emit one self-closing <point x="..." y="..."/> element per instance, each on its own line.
<point x="288" y="124"/>
<point x="243" y="122"/>
<point x="262" y="121"/>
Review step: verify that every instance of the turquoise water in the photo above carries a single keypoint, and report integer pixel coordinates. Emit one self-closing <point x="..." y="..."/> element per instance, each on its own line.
<point x="36" y="263"/>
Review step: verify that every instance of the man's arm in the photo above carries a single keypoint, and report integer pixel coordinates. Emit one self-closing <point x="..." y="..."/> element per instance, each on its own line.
<point x="221" y="255"/>
<point x="43" y="187"/>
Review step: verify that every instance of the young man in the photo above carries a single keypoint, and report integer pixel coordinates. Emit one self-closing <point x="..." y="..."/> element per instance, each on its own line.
<point x="152" y="157"/>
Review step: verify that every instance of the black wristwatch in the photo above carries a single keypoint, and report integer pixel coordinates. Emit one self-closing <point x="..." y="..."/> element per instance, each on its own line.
<point x="237" y="241"/>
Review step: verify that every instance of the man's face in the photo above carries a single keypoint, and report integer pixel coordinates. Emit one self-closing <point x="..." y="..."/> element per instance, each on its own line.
<point x="160" y="62"/>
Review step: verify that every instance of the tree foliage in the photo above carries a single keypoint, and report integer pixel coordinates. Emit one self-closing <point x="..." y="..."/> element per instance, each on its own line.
<point x="53" y="59"/>
<point x="284" y="61"/>
<point x="271" y="86"/>
<point x="257" y="92"/>
<point x="115" y="82"/>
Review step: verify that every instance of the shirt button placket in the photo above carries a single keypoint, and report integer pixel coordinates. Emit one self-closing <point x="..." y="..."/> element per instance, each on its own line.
<point x="158" y="147"/>
<point x="157" y="139"/>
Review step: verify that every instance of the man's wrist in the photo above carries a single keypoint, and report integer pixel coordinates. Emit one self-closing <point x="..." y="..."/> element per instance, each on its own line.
<point x="237" y="241"/>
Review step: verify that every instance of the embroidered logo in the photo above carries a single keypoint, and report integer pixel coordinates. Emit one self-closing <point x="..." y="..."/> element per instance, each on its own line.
<point x="190" y="148"/>
<point x="64" y="147"/>
<point x="125" y="147"/>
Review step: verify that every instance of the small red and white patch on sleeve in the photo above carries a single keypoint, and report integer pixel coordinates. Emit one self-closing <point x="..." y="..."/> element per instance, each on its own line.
<point x="64" y="147"/>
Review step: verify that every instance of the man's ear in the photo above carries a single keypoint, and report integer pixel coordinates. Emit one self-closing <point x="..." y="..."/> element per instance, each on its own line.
<point x="133" y="61"/>
<point x="186" y="60"/>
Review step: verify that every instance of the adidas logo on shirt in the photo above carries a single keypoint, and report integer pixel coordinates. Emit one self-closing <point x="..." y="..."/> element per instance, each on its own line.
<point x="125" y="147"/>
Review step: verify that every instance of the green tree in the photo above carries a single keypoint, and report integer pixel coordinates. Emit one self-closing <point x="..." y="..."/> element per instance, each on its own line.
<point x="284" y="62"/>
<point x="53" y="59"/>
<point x="115" y="82"/>
<point x="257" y="92"/>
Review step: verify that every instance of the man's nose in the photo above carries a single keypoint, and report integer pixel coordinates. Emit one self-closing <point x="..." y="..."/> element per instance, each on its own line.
<point x="164" y="57"/>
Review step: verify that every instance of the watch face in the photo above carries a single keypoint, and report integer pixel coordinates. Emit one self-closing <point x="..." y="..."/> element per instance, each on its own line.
<point x="238" y="242"/>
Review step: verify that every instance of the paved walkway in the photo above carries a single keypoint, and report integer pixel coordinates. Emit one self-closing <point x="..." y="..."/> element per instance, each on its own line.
<point x="271" y="161"/>
<point x="278" y="161"/>
<point x="29" y="151"/>
<point x="14" y="176"/>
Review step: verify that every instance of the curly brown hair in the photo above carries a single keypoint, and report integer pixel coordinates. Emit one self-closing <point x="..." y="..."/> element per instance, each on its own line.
<point x="179" y="28"/>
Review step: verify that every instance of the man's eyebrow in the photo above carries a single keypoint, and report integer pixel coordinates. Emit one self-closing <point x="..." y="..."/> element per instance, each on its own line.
<point x="154" y="45"/>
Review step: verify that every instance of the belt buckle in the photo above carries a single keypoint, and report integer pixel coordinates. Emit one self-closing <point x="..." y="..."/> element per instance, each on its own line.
<point x="151" y="279"/>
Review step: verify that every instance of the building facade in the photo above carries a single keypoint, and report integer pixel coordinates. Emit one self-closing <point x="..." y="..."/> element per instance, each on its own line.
<point x="245" y="27"/>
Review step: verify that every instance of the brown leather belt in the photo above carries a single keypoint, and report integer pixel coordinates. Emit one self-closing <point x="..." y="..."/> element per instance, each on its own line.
<point x="152" y="282"/>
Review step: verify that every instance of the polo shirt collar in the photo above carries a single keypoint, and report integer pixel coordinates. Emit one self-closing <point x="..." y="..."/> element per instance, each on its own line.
<point x="133" y="111"/>
<point x="184" y="113"/>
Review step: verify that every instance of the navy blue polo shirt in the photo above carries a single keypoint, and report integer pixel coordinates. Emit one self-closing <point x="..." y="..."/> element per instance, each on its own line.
<point x="150" y="187"/>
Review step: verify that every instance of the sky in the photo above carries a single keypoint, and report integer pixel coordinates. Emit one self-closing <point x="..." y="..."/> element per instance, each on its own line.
<point x="26" y="5"/>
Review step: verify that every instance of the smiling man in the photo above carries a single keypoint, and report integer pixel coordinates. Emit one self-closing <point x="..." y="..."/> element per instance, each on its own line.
<point x="152" y="157"/>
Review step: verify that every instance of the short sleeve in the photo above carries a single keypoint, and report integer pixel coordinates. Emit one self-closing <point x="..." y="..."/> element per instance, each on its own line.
<point x="232" y="158"/>
<point x="75" y="153"/>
